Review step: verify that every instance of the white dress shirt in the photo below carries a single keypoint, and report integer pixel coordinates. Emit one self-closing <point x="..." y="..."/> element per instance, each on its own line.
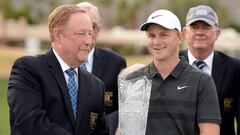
<point x="208" y="61"/>
<point x="89" y="61"/>
<point x="65" y="67"/>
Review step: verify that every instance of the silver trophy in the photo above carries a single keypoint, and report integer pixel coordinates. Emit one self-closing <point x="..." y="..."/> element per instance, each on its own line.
<point x="134" y="96"/>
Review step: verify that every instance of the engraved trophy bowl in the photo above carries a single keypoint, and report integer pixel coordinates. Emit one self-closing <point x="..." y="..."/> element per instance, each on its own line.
<point x="134" y="96"/>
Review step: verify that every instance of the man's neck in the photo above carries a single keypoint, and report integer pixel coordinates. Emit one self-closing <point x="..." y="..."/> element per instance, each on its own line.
<point x="201" y="54"/>
<point x="166" y="67"/>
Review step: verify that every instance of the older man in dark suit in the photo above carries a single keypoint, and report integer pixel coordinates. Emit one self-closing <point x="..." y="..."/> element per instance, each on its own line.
<point x="201" y="32"/>
<point x="48" y="94"/>
<point x="104" y="64"/>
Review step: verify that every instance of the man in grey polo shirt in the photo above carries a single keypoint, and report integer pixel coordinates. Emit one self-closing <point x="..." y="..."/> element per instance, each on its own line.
<point x="183" y="99"/>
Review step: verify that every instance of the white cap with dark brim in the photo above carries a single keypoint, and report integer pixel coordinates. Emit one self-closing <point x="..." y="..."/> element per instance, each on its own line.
<point x="164" y="18"/>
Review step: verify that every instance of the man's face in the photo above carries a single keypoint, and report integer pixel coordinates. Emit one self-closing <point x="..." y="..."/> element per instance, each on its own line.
<point x="75" y="39"/>
<point x="201" y="36"/>
<point x="163" y="43"/>
<point x="95" y="23"/>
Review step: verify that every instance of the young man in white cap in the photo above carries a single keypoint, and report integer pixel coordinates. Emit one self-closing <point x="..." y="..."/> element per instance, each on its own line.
<point x="183" y="99"/>
<point x="201" y="32"/>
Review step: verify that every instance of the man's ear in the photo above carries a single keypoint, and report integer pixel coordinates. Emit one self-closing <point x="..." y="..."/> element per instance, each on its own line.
<point x="56" y="34"/>
<point x="180" y="35"/>
<point x="218" y="32"/>
<point x="183" y="31"/>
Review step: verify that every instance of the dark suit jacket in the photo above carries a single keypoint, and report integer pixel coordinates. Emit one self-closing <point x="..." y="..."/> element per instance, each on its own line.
<point x="106" y="66"/>
<point x="112" y="122"/>
<point x="226" y="75"/>
<point x="40" y="104"/>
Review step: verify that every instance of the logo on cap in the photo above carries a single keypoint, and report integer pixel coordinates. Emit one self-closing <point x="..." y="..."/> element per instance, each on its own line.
<point x="156" y="16"/>
<point x="201" y="12"/>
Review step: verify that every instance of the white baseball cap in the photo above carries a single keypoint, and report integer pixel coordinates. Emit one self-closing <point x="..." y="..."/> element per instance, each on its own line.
<point x="164" y="18"/>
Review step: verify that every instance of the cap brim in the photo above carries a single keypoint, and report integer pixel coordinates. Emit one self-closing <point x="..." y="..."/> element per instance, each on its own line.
<point x="208" y="21"/>
<point x="145" y="25"/>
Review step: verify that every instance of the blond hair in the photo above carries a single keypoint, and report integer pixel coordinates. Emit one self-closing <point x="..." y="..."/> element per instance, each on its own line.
<point x="60" y="16"/>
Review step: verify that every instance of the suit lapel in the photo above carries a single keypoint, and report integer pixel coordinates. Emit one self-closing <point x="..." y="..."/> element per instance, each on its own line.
<point x="56" y="71"/>
<point x="218" y="71"/>
<point x="83" y="92"/>
<point x="99" y="63"/>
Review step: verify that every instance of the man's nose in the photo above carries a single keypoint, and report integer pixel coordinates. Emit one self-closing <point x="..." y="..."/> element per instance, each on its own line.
<point x="157" y="41"/>
<point x="199" y="31"/>
<point x="88" y="40"/>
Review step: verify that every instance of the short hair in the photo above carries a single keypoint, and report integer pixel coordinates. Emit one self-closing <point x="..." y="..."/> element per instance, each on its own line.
<point x="89" y="6"/>
<point x="60" y="16"/>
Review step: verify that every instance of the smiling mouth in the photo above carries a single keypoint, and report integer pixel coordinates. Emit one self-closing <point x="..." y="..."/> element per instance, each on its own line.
<point x="159" y="48"/>
<point x="200" y="40"/>
<point x="84" y="49"/>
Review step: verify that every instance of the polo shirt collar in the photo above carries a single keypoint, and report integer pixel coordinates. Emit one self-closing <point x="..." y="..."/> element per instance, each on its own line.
<point x="176" y="71"/>
<point x="152" y="70"/>
<point x="179" y="68"/>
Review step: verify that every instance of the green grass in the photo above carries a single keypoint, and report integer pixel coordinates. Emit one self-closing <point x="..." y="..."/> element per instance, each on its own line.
<point x="4" y="114"/>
